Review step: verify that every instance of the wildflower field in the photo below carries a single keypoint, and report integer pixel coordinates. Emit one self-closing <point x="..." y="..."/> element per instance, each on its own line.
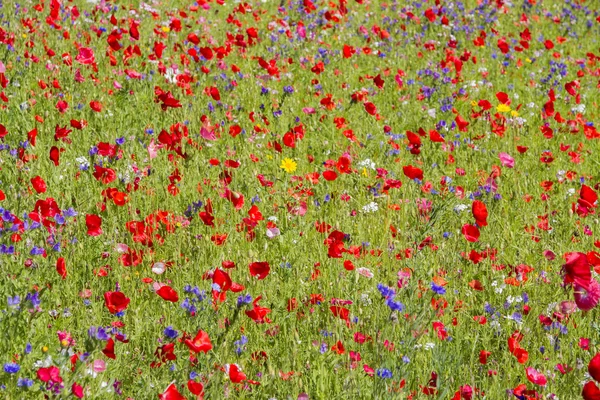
<point x="299" y="199"/>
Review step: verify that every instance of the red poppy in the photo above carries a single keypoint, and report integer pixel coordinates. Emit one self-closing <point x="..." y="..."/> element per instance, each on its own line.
<point x="260" y="270"/>
<point x="577" y="269"/>
<point x="330" y="175"/>
<point x="61" y="267"/>
<point x="116" y="301"/>
<point x="109" y="349"/>
<point x="483" y="356"/>
<point x="39" y="185"/>
<point x="197" y="388"/>
<point x="96" y="106"/>
<point x="168" y="293"/>
<point x="85" y="56"/>
<point x="461" y="123"/>
<point x="413" y="172"/>
<point x="435" y="136"/>
<point x="470" y="232"/>
<point x="258" y="313"/>
<point x="503" y="98"/>
<point x="370" y="108"/>
<point x="590" y="391"/>
<point x="55" y="155"/>
<point x="587" y="201"/>
<point x="219" y="239"/>
<point x="480" y="212"/>
<point x="200" y="343"/>
<point x="93" y="223"/>
<point x="594" y="367"/>
<point x="105" y="175"/>
<point x="171" y="393"/>
<point x="77" y="390"/>
<point x="341" y="312"/>
<point x="235" y="373"/>
<point x="515" y="348"/>
<point x="338" y="348"/>
<point x="49" y="374"/>
<point x="348" y="51"/>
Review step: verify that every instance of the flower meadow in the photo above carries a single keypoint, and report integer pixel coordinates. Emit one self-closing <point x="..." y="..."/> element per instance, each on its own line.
<point x="299" y="199"/>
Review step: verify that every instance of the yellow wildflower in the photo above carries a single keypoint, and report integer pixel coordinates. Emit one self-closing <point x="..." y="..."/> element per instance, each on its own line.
<point x="288" y="165"/>
<point x="503" y="108"/>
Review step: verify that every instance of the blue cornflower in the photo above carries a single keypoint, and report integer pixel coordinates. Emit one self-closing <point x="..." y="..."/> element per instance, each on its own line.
<point x="437" y="289"/>
<point x="247" y="299"/>
<point x="384" y="373"/>
<point x="11" y="368"/>
<point x="323" y="348"/>
<point x="394" y="305"/>
<point x="101" y="334"/>
<point x="24" y="382"/>
<point x="385" y="291"/>
<point x="13" y="301"/>
<point x="170" y="332"/>
<point x="34" y="298"/>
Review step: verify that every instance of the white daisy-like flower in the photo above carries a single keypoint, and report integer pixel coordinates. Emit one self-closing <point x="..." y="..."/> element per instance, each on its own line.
<point x="371" y="207"/>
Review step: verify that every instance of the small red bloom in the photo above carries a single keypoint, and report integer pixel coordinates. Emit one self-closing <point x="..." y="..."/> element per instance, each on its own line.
<point x="94" y="225"/>
<point x="168" y="293"/>
<point x="480" y="212"/>
<point x="200" y="343"/>
<point x="171" y="393"/>
<point x="116" y="301"/>
<point x="61" y="267"/>
<point x="470" y="232"/>
<point x="413" y="172"/>
<point x="109" y="350"/>
<point x="594" y="367"/>
<point x="260" y="270"/>
<point x="39" y="185"/>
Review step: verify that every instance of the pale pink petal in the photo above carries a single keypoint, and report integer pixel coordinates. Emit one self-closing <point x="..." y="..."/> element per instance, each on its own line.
<point x="208" y="135"/>
<point x="99" y="365"/>
<point x="506" y="160"/>
<point x="152" y="149"/>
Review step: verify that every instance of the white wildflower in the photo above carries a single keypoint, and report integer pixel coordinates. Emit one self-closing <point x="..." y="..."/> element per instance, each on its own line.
<point x="371" y="207"/>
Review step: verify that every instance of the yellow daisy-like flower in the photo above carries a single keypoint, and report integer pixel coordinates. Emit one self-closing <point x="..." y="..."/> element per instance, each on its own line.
<point x="514" y="113"/>
<point x="288" y="165"/>
<point x="503" y="108"/>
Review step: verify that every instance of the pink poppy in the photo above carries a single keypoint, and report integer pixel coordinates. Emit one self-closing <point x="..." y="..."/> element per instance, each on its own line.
<point x="587" y="298"/>
<point x="506" y="160"/>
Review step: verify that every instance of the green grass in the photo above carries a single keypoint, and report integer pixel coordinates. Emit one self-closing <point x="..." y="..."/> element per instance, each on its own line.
<point x="299" y="342"/>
